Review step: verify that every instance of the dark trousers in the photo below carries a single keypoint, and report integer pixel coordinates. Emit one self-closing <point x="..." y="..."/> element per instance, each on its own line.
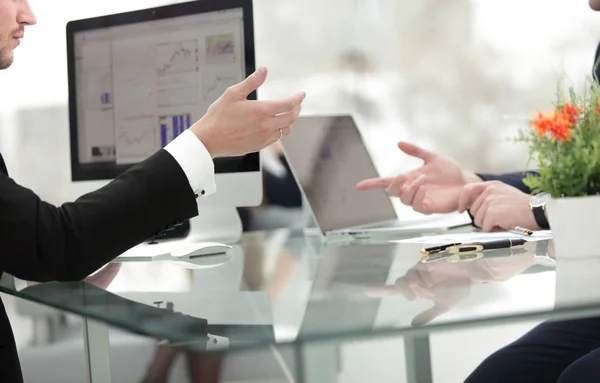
<point x="563" y="352"/>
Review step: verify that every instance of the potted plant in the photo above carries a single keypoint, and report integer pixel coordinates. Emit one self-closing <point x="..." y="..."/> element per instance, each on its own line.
<point x="566" y="145"/>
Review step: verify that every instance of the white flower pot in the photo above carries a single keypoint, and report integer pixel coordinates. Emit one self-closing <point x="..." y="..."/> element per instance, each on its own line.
<point x="575" y="225"/>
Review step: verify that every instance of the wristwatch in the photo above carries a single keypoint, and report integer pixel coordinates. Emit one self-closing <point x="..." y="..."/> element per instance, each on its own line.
<point x="537" y="204"/>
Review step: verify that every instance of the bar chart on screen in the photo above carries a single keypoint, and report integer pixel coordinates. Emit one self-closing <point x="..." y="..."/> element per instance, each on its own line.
<point x="172" y="126"/>
<point x="98" y="82"/>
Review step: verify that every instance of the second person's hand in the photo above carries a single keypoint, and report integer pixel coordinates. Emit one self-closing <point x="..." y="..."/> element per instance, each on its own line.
<point x="496" y="206"/>
<point x="235" y="126"/>
<point x="433" y="188"/>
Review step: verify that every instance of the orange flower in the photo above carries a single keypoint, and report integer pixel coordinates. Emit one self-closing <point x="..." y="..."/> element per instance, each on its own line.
<point x="572" y="111"/>
<point x="542" y="123"/>
<point x="557" y="124"/>
<point x="561" y="128"/>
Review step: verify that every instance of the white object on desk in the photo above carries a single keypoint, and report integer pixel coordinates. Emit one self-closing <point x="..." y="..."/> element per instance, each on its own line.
<point x="183" y="248"/>
<point x="204" y="262"/>
<point x="198" y="249"/>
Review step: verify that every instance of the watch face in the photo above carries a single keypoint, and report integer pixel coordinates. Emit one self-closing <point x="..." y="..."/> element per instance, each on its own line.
<point x="539" y="200"/>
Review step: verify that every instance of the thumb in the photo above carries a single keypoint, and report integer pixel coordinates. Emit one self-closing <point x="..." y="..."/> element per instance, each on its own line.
<point x="469" y="194"/>
<point x="416" y="151"/>
<point x="251" y="83"/>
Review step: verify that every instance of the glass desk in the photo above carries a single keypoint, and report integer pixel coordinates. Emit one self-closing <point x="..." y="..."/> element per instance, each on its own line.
<point x="284" y="288"/>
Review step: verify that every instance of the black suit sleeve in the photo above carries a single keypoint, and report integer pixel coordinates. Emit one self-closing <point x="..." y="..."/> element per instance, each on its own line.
<point x="596" y="67"/>
<point x="512" y="179"/>
<point x="41" y="242"/>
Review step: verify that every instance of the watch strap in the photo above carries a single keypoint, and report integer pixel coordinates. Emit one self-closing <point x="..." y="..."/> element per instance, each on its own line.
<point x="540" y="217"/>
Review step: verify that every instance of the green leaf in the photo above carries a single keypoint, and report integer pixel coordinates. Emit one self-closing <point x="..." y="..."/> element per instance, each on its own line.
<point x="573" y="95"/>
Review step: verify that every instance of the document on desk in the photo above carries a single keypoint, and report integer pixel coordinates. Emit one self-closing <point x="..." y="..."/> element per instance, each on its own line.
<point x="478" y="237"/>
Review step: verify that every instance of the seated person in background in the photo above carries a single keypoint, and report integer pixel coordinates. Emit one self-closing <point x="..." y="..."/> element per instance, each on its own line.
<point x="280" y="190"/>
<point x="496" y="202"/>
<point x="562" y="352"/>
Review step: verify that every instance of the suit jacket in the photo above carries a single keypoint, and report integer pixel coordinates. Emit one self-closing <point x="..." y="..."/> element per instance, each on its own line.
<point x="41" y="242"/>
<point x="513" y="179"/>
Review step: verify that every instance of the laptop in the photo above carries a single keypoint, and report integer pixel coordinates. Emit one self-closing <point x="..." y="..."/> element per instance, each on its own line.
<point x="328" y="157"/>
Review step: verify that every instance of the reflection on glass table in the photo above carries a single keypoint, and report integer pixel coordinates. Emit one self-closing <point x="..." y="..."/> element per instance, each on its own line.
<point x="447" y="279"/>
<point x="282" y="289"/>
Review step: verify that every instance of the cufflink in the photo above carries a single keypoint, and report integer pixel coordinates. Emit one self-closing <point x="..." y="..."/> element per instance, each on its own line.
<point x="203" y="192"/>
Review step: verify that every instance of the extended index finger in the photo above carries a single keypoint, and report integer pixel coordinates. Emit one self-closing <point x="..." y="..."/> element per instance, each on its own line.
<point x="375" y="183"/>
<point x="469" y="195"/>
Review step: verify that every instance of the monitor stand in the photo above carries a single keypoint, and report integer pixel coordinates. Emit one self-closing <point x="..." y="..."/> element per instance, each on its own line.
<point x="216" y="224"/>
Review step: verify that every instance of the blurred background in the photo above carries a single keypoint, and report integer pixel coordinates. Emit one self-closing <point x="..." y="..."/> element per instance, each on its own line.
<point x="457" y="76"/>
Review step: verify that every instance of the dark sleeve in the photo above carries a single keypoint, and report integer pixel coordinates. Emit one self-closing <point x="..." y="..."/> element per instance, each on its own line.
<point x="282" y="191"/>
<point x="41" y="242"/>
<point x="512" y="179"/>
<point x="596" y="67"/>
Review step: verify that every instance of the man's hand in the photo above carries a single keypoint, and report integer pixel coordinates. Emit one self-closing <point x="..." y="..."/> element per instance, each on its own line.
<point x="433" y="188"/>
<point x="104" y="277"/>
<point x="235" y="126"/>
<point x="496" y="206"/>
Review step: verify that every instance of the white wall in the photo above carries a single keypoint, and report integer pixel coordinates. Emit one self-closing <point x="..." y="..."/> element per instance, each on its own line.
<point x="459" y="76"/>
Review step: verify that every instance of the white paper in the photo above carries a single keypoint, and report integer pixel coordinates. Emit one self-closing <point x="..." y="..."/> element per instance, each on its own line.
<point x="478" y="237"/>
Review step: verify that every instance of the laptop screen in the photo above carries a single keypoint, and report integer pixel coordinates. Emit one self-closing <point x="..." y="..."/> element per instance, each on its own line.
<point x="328" y="158"/>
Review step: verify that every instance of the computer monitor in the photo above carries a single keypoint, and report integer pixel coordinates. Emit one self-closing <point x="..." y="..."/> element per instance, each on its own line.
<point x="138" y="79"/>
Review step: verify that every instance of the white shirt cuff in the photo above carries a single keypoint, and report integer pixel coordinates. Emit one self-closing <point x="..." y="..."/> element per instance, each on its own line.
<point x="195" y="161"/>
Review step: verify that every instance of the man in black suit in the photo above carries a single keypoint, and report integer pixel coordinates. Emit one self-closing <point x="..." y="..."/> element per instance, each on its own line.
<point x="40" y="242"/>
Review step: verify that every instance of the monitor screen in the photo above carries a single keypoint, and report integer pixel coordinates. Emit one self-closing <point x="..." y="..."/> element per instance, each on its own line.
<point x="139" y="79"/>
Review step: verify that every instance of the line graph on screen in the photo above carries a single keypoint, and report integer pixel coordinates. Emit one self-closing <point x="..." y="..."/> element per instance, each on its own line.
<point x="136" y="137"/>
<point x="213" y="85"/>
<point x="177" y="57"/>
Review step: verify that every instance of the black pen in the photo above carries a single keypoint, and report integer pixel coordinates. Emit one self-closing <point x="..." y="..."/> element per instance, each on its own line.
<point x="480" y="246"/>
<point x="437" y="249"/>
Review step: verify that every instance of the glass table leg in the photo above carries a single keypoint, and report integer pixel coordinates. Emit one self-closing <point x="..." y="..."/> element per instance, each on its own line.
<point x="418" y="359"/>
<point x="318" y="362"/>
<point x="97" y="350"/>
